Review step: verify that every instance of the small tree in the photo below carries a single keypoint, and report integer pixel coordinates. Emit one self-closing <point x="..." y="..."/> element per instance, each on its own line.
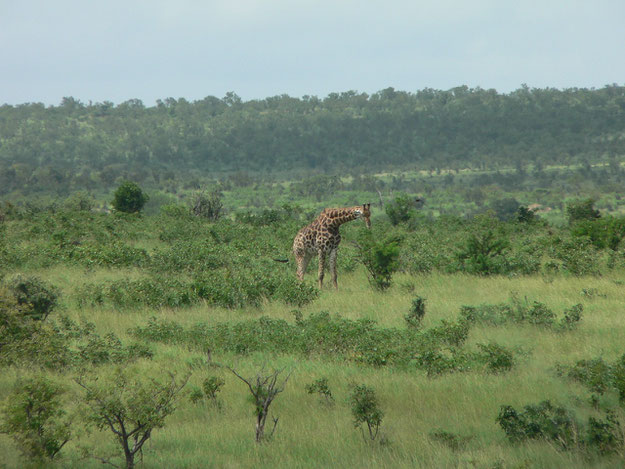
<point x="210" y="388"/>
<point x="483" y="253"/>
<point x="366" y="410"/>
<point x="402" y="209"/>
<point x="321" y="387"/>
<point x="582" y="210"/>
<point x="207" y="205"/>
<point x="380" y="258"/>
<point x="36" y="297"/>
<point x="525" y="215"/>
<point x="263" y="389"/>
<point x="33" y="416"/>
<point x="416" y="313"/>
<point x="129" y="198"/>
<point x="130" y="408"/>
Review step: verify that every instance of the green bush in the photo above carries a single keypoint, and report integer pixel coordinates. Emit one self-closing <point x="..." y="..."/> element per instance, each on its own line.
<point x="483" y="253"/>
<point x="366" y="410"/>
<point x="402" y="209"/>
<point x="37" y="297"/>
<point x="581" y="210"/>
<point x="380" y="258"/>
<point x="321" y="388"/>
<point x="543" y="421"/>
<point x="416" y="313"/>
<point x="129" y="198"/>
<point x="498" y="358"/>
<point x="34" y="417"/>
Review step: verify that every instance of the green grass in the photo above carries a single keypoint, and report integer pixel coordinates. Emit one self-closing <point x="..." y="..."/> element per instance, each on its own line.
<point x="311" y="434"/>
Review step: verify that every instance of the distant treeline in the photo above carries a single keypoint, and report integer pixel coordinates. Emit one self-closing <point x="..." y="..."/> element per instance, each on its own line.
<point x="84" y="146"/>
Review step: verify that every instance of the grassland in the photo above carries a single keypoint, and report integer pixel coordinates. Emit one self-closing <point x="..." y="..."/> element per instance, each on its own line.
<point x="313" y="434"/>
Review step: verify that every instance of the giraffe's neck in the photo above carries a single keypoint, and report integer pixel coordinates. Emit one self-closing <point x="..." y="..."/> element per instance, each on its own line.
<point x="335" y="217"/>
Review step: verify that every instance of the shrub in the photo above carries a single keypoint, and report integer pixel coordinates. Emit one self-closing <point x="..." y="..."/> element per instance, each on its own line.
<point x="37" y="297"/>
<point x="321" y="387"/>
<point x="208" y="206"/>
<point x="606" y="436"/>
<point x="295" y="293"/>
<point x="380" y="258"/>
<point x="498" y="358"/>
<point x="451" y="440"/>
<point x="33" y="416"/>
<point x="263" y="390"/>
<point x="210" y="388"/>
<point x="582" y="210"/>
<point x="416" y="313"/>
<point x="401" y="209"/>
<point x="366" y="410"/>
<point x="129" y="198"/>
<point x="543" y="421"/>
<point x="483" y="253"/>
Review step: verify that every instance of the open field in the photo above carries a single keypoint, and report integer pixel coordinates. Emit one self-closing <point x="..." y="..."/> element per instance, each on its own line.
<point x="313" y="434"/>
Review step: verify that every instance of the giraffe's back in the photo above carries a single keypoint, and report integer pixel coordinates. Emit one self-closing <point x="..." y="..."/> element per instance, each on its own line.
<point x="306" y="240"/>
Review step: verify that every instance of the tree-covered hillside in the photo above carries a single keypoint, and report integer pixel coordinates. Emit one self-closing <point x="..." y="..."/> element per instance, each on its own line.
<point x="85" y="146"/>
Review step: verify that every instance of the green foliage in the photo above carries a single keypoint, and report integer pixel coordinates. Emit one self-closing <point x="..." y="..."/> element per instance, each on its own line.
<point x="322" y="334"/>
<point x="211" y="386"/>
<point x="131" y="406"/>
<point x="582" y="210"/>
<point x="380" y="257"/>
<point x="519" y="311"/>
<point x="505" y="209"/>
<point x="36" y="297"/>
<point x="577" y="256"/>
<point x="320" y="387"/>
<point x="598" y="376"/>
<point x="176" y="139"/>
<point x="451" y="440"/>
<point x="525" y="215"/>
<point x="604" y="232"/>
<point x="543" y="421"/>
<point x="498" y="358"/>
<point x="34" y="417"/>
<point x="416" y="313"/>
<point x="208" y="206"/>
<point x="483" y="253"/>
<point x="401" y="209"/>
<point x="366" y="409"/>
<point x="606" y="436"/>
<point x="129" y="198"/>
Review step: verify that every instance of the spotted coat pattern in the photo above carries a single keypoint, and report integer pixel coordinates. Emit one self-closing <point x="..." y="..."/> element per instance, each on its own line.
<point x="322" y="238"/>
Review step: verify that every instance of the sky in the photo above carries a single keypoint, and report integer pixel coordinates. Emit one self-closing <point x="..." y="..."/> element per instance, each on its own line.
<point x="116" y="50"/>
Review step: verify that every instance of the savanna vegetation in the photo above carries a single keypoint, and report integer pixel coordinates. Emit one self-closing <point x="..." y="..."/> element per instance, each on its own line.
<point x="145" y="322"/>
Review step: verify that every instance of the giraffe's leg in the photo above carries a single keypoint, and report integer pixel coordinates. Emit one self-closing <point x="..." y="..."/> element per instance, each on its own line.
<point x="322" y="265"/>
<point x="302" y="262"/>
<point x="333" y="254"/>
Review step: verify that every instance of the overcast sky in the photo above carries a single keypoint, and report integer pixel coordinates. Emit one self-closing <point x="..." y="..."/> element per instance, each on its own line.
<point x="115" y="50"/>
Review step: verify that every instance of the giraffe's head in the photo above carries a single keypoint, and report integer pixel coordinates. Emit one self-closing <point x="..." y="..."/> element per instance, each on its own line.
<point x="364" y="212"/>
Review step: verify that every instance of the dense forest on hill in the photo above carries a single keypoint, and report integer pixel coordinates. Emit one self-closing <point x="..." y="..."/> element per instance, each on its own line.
<point x="89" y="146"/>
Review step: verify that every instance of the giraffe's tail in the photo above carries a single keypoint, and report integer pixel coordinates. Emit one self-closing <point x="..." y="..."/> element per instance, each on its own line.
<point x="281" y="260"/>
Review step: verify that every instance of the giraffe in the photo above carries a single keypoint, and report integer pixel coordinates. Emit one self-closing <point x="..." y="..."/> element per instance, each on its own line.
<point x="322" y="238"/>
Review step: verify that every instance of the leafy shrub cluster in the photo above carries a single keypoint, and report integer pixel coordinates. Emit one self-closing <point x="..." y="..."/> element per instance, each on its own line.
<point x="598" y="376"/>
<point x="27" y="337"/>
<point x="435" y="350"/>
<point x="558" y="425"/>
<point x="245" y="288"/>
<point x="33" y="414"/>
<point x="517" y="311"/>
<point x="380" y="256"/>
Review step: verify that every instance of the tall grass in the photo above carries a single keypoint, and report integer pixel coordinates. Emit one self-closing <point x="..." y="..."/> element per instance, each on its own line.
<point x="310" y="434"/>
